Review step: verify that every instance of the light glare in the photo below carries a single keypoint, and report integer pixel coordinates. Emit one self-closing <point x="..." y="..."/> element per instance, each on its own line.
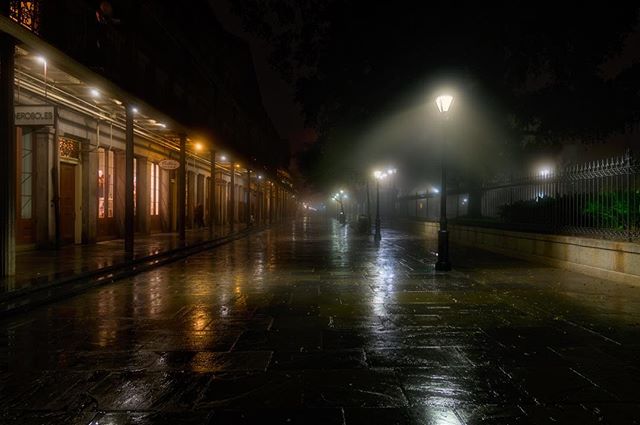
<point x="443" y="102"/>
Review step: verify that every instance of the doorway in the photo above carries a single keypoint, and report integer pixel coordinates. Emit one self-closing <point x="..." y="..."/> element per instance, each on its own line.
<point x="67" y="202"/>
<point x="106" y="225"/>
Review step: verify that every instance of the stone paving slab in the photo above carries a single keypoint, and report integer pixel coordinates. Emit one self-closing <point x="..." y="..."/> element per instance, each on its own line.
<point x="329" y="329"/>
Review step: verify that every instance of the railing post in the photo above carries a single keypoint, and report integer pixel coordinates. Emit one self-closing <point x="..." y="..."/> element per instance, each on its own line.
<point x="628" y="184"/>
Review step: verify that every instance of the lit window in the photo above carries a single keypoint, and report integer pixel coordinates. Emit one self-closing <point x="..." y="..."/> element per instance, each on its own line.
<point x="101" y="182"/>
<point x="110" y="184"/>
<point x="26" y="13"/>
<point x="154" y="193"/>
<point x="69" y="148"/>
<point x="106" y="183"/>
<point x="135" y="179"/>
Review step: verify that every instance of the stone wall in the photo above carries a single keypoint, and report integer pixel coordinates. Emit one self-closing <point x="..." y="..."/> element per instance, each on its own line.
<point x="612" y="260"/>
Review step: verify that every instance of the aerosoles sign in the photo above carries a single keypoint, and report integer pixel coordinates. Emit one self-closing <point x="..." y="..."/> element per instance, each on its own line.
<point x="28" y="115"/>
<point x="169" y="164"/>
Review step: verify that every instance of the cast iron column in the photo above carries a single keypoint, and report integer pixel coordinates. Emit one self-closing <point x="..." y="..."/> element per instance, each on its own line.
<point x="128" y="188"/>
<point x="368" y="210"/>
<point x="443" y="263"/>
<point x="232" y="198"/>
<point x="378" y="236"/>
<point x="248" y="212"/>
<point x="182" y="182"/>
<point x="270" y="202"/>
<point x="212" y="196"/>
<point x="8" y="156"/>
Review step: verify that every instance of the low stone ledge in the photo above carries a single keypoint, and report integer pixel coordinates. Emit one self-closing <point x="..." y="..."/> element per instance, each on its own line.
<point x="604" y="259"/>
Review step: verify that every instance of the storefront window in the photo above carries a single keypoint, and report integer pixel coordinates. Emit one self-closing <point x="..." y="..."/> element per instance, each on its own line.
<point x="154" y="193"/>
<point x="106" y="179"/>
<point x="26" y="177"/>
<point x="101" y="182"/>
<point x="110" y="179"/>
<point x="135" y="185"/>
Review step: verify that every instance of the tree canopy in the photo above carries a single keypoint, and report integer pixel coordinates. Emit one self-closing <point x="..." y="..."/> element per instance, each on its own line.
<point x="539" y="72"/>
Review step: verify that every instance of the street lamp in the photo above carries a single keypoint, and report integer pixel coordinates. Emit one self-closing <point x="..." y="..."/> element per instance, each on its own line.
<point x="338" y="197"/>
<point x="544" y="172"/>
<point x="443" y="102"/>
<point x="379" y="175"/>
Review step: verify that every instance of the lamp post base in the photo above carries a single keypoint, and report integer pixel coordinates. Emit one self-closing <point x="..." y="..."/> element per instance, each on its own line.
<point x="377" y="236"/>
<point x="443" y="264"/>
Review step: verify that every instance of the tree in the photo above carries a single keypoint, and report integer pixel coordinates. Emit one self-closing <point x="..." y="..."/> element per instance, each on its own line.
<point x="537" y="72"/>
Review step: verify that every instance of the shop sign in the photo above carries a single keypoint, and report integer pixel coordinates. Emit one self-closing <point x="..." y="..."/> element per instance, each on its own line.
<point x="169" y="164"/>
<point x="28" y="115"/>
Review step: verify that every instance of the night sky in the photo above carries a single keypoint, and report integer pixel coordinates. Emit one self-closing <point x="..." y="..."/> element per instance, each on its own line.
<point x="277" y="95"/>
<point x="359" y="77"/>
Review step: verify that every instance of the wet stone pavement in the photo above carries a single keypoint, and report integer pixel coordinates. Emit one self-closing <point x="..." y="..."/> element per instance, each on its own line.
<point x="312" y="324"/>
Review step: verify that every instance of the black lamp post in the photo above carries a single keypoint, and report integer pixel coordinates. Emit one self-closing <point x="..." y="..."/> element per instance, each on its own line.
<point x="338" y="197"/>
<point x="443" y="103"/>
<point x="379" y="175"/>
<point x="368" y="210"/>
<point x="343" y="217"/>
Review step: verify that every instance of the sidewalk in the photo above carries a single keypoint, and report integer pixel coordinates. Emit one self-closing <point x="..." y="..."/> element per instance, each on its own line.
<point x="37" y="268"/>
<point x="314" y="323"/>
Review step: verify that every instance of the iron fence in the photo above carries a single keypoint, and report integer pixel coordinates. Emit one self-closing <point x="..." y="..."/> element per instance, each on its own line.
<point x="599" y="198"/>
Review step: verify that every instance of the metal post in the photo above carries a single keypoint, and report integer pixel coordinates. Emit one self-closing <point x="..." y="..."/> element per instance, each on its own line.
<point x="278" y="203"/>
<point x="55" y="181"/>
<point x="8" y="155"/>
<point x="232" y="199"/>
<point x="258" y="217"/>
<point x="182" y="183"/>
<point x="212" y="195"/>
<point x="248" y="212"/>
<point x="378" y="235"/>
<point x="627" y="164"/>
<point x="128" y="188"/>
<point x="271" y="202"/>
<point x="368" y="210"/>
<point x="443" y="263"/>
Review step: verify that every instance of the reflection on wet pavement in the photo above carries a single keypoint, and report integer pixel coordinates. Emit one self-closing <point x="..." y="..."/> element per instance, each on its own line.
<point x="312" y="323"/>
<point x="37" y="268"/>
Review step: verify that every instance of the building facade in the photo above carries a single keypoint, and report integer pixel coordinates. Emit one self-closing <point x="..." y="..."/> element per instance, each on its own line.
<point x="105" y="139"/>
